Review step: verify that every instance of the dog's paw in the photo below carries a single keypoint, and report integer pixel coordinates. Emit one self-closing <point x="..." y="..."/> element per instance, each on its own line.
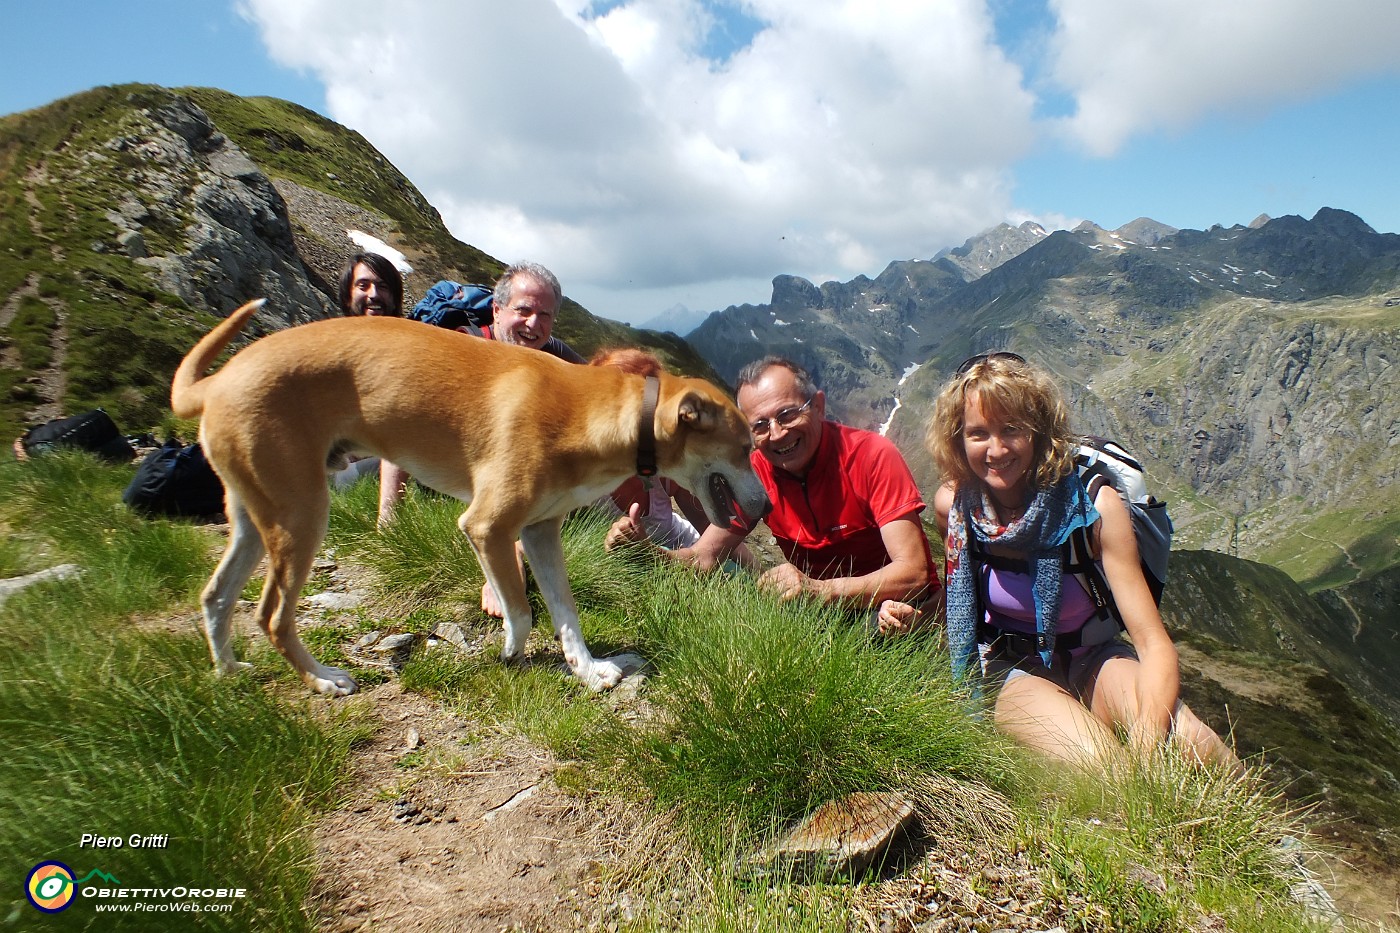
<point x="226" y="668"/>
<point x="599" y="675"/>
<point x="515" y="637"/>
<point x="332" y="682"/>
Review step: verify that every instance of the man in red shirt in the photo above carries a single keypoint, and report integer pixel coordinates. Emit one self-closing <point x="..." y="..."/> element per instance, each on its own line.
<point x="845" y="506"/>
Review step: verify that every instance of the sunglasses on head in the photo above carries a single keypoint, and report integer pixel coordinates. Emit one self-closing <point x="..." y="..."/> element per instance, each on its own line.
<point x="972" y="361"/>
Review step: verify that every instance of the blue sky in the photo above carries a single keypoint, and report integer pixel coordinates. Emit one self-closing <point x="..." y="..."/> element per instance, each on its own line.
<point x="656" y="152"/>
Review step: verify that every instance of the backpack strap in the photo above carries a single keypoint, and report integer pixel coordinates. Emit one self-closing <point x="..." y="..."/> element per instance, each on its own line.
<point x="1080" y="559"/>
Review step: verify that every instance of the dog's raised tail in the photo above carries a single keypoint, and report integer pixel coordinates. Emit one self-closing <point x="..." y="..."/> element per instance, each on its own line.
<point x="186" y="393"/>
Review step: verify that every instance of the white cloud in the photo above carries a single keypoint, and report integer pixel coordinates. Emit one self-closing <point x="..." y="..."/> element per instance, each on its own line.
<point x="845" y="134"/>
<point x="1136" y="67"/>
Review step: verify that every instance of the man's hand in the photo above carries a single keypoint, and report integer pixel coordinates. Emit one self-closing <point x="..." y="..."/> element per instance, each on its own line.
<point x="626" y="530"/>
<point x="787" y="582"/>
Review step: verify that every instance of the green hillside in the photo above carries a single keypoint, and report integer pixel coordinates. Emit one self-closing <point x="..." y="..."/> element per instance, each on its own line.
<point x="85" y="320"/>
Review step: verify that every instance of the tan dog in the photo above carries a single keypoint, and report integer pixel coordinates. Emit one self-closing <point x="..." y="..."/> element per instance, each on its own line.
<point x="521" y="436"/>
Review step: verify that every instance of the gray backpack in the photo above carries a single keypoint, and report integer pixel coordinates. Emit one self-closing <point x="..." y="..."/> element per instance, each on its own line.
<point x="1103" y="461"/>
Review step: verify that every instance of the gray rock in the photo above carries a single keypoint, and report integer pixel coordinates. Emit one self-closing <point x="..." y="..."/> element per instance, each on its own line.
<point x="402" y="642"/>
<point x="236" y="231"/>
<point x="13" y="585"/>
<point x="1305" y="889"/>
<point x="451" y="633"/>
<point x="133" y="244"/>
<point x="330" y="600"/>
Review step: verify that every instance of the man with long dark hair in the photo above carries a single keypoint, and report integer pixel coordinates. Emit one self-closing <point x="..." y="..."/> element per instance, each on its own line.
<point x="370" y="285"/>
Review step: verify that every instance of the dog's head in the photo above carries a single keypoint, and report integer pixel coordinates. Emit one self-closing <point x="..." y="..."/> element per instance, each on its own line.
<point x="704" y="444"/>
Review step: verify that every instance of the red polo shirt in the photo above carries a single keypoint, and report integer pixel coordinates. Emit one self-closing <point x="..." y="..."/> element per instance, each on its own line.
<point x="828" y="522"/>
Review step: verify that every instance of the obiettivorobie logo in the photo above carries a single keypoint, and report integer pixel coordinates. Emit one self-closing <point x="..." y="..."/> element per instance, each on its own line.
<point x="51" y="886"/>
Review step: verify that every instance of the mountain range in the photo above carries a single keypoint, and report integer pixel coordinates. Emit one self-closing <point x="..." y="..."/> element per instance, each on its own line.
<point x="1253" y="368"/>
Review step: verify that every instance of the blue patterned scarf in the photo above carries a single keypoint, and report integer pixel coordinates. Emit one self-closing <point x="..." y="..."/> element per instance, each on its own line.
<point x="1053" y="514"/>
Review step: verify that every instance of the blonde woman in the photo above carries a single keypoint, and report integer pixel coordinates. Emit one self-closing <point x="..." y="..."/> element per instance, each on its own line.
<point x="1063" y="679"/>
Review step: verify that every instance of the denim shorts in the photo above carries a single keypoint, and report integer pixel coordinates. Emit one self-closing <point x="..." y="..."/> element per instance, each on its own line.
<point x="1074" y="671"/>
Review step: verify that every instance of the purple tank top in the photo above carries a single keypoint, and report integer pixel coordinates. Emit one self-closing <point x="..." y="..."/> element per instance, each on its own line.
<point x="1011" y="607"/>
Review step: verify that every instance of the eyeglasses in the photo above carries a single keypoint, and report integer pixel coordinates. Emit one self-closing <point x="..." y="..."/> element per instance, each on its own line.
<point x="784" y="418"/>
<point x="972" y="361"/>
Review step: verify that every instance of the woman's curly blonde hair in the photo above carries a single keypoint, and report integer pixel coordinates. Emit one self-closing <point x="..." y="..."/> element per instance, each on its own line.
<point x="1011" y="390"/>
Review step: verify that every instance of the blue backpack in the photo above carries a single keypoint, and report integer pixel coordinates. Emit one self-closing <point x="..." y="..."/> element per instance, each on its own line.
<point x="452" y="305"/>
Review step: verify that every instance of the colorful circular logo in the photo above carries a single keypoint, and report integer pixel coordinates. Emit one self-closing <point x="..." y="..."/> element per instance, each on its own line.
<point x="50" y="887"/>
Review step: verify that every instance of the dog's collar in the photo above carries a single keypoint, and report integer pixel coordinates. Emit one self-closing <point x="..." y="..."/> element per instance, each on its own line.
<point x="646" y="428"/>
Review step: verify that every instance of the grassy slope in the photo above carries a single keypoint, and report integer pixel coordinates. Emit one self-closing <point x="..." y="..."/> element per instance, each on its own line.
<point x="113" y="726"/>
<point x="1289" y="674"/>
<point x="756" y="712"/>
<point x="124" y="335"/>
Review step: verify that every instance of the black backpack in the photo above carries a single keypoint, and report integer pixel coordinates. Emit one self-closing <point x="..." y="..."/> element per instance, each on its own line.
<point x="175" y="481"/>
<point x="93" y="431"/>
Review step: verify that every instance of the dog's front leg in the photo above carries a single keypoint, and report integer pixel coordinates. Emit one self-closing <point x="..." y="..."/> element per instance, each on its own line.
<point x="545" y="550"/>
<point x="496" y="554"/>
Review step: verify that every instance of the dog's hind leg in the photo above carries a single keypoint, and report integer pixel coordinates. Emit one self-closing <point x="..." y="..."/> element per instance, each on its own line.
<point x="545" y="550"/>
<point x="245" y="549"/>
<point x="292" y="538"/>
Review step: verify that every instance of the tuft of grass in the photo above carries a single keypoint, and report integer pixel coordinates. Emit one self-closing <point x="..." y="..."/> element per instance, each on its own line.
<point x="764" y="711"/>
<point x="1150" y="842"/>
<point x="537" y="698"/>
<point x="130" y="564"/>
<point x="420" y="559"/>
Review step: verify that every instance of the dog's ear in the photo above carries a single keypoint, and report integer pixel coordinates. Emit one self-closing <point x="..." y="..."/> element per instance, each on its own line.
<point x="698" y="412"/>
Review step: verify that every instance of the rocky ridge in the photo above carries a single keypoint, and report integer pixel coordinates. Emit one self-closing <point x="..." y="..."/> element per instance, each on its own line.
<point x="141" y="214"/>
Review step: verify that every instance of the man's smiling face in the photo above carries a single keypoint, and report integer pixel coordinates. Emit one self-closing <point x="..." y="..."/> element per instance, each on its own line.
<point x="529" y="318"/>
<point x="774" y="398"/>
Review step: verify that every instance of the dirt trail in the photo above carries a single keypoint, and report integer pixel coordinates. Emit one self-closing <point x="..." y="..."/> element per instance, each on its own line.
<point x="479" y="838"/>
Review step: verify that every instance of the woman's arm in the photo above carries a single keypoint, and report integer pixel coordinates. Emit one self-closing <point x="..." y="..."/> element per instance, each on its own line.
<point x="896" y="616"/>
<point x="1159" y="679"/>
